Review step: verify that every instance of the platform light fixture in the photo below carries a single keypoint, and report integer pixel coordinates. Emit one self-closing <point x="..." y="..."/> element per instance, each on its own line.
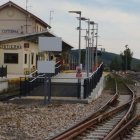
<point x="87" y="47"/>
<point x="79" y="12"/>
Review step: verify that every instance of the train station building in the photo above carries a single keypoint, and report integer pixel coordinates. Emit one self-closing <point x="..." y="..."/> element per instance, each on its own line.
<point x="19" y="33"/>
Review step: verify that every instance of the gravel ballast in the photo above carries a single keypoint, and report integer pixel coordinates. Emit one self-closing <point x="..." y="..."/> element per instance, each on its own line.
<point x="21" y="120"/>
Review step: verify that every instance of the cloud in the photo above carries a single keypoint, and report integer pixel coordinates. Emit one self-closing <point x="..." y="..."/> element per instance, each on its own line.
<point x="116" y="27"/>
<point x="118" y="23"/>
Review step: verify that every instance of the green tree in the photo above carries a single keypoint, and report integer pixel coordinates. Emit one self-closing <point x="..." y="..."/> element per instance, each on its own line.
<point x="115" y="64"/>
<point x="136" y="67"/>
<point x="126" y="57"/>
<point x="83" y="56"/>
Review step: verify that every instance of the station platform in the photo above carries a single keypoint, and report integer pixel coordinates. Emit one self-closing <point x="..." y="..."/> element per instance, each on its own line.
<point x="65" y="87"/>
<point x="70" y="78"/>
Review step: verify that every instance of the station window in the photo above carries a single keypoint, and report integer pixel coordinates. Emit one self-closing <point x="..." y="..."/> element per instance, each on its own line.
<point x="51" y="57"/>
<point x="25" y="59"/>
<point x="11" y="58"/>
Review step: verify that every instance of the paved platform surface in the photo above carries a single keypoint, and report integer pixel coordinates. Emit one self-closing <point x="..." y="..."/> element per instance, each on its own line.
<point x="69" y="77"/>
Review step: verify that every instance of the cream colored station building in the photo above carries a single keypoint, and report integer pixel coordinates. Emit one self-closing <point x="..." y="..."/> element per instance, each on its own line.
<point x="19" y="32"/>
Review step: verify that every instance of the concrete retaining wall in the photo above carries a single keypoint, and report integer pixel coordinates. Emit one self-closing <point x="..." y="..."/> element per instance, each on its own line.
<point x="57" y="90"/>
<point x="99" y="88"/>
<point x="3" y="84"/>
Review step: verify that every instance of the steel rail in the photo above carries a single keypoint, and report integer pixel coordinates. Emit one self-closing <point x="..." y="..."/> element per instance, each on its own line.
<point x="126" y="127"/>
<point x="30" y="75"/>
<point x="99" y="111"/>
<point x="125" y="118"/>
<point x="83" y="126"/>
<point x="129" y="125"/>
<point x="74" y="131"/>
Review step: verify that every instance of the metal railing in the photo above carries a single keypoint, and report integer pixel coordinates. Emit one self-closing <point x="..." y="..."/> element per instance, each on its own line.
<point x="57" y="67"/>
<point x="33" y="74"/>
<point x="27" y="84"/>
<point x="34" y="80"/>
<point x="91" y="82"/>
<point x="70" y="88"/>
<point x="35" y="87"/>
<point x="3" y="71"/>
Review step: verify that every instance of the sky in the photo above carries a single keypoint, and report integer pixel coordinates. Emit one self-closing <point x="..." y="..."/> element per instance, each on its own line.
<point x="118" y="21"/>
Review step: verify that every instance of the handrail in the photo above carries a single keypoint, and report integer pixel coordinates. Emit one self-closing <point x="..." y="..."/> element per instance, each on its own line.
<point x="39" y="76"/>
<point x="94" y="71"/>
<point x="30" y="75"/>
<point x="58" y="67"/>
<point x="57" y="62"/>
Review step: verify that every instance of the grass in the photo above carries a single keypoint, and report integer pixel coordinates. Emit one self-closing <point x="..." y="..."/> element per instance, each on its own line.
<point x="109" y="82"/>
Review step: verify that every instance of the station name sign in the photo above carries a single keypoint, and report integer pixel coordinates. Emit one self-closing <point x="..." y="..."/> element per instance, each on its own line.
<point x="9" y="31"/>
<point x="10" y="47"/>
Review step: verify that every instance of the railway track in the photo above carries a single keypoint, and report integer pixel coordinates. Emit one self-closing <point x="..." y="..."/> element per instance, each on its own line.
<point x="103" y="125"/>
<point x="99" y="131"/>
<point x="131" y="130"/>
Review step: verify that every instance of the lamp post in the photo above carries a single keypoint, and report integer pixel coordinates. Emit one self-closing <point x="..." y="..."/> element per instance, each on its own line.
<point x="126" y="58"/>
<point x="92" y="51"/>
<point x="79" y="58"/>
<point x="88" y="52"/>
<point x="78" y="12"/>
<point x="51" y="12"/>
<point x="102" y="50"/>
<point x="88" y="42"/>
<point x="96" y="54"/>
<point x="89" y="45"/>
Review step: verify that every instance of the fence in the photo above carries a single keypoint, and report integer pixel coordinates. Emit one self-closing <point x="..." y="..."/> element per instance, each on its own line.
<point x="57" y="67"/>
<point x="28" y="84"/>
<point x="35" y="86"/>
<point x="3" y="71"/>
<point x="35" y="80"/>
<point x="91" y="82"/>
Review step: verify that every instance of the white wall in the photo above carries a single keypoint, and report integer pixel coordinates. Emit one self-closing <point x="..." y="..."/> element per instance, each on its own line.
<point x="19" y="68"/>
<point x="3" y="84"/>
<point x="13" y="19"/>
